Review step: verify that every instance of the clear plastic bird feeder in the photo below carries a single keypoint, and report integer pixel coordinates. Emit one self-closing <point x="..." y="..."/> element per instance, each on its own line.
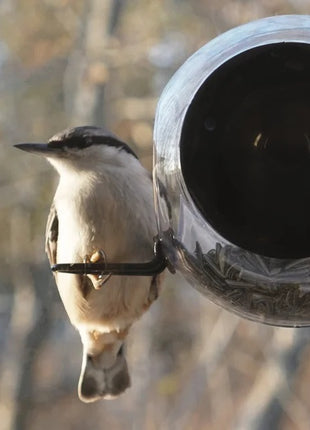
<point x="232" y="170"/>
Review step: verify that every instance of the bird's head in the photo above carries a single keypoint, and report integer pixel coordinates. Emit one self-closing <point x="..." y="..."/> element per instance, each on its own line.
<point x="80" y="148"/>
<point x="104" y="373"/>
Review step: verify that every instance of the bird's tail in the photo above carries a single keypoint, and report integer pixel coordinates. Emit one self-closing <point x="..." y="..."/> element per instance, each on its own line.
<point x="104" y="375"/>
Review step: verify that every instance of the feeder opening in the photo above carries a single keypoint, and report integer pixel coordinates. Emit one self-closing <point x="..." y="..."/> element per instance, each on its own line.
<point x="245" y="150"/>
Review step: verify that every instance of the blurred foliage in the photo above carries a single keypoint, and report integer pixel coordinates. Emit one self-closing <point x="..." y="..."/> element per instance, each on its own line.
<point x="194" y="366"/>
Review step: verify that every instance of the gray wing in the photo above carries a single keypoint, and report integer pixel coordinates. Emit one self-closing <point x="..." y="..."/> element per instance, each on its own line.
<point x="51" y="239"/>
<point x="51" y="235"/>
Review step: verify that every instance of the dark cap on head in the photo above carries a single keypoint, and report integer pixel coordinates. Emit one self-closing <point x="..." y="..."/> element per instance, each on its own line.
<point x="84" y="136"/>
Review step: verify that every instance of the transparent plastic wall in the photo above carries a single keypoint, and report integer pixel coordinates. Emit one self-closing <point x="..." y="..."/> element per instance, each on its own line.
<point x="232" y="170"/>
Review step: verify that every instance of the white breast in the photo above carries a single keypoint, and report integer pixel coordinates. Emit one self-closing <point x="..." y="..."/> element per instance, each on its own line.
<point x="117" y="216"/>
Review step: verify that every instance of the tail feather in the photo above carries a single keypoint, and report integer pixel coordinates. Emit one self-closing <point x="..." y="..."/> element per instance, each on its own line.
<point x="101" y="379"/>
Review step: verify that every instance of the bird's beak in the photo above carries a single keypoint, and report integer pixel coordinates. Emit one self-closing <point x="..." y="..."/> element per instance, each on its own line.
<point x="37" y="148"/>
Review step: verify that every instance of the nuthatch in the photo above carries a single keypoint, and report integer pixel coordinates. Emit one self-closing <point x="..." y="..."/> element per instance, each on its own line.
<point x="103" y="209"/>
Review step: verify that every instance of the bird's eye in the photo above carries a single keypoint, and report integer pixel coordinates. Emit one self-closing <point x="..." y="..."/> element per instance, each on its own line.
<point x="54" y="144"/>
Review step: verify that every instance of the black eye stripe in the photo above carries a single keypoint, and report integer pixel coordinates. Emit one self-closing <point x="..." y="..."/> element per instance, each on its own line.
<point x="72" y="142"/>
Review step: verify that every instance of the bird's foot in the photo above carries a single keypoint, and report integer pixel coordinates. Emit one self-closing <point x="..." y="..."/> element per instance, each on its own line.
<point x="153" y="292"/>
<point x="97" y="280"/>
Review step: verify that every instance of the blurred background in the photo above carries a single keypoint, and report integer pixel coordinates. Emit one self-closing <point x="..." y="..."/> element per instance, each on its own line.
<point x="193" y="365"/>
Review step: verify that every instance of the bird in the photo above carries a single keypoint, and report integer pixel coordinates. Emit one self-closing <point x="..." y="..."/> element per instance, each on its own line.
<point x="103" y="210"/>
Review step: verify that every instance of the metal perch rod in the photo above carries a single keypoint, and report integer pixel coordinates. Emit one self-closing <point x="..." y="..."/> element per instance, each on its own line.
<point x="149" y="268"/>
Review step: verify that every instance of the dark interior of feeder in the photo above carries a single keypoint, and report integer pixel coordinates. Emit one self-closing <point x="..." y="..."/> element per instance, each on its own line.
<point x="245" y="150"/>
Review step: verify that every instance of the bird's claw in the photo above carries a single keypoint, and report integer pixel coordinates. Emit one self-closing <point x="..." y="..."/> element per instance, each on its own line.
<point x="153" y="292"/>
<point x="97" y="280"/>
